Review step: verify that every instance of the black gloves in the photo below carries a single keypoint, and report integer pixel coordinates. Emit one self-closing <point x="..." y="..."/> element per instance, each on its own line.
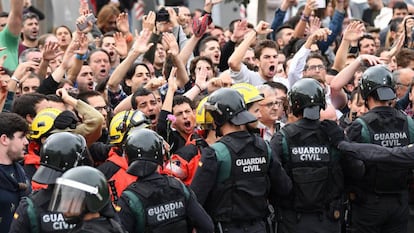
<point x="334" y="132"/>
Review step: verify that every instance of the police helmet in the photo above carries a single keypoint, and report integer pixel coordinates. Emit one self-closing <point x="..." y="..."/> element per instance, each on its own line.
<point x="43" y="123"/>
<point x="60" y="152"/>
<point x="249" y="92"/>
<point x="227" y="105"/>
<point x="79" y="190"/>
<point x="377" y="82"/>
<point x="203" y="118"/>
<point x="144" y="149"/>
<point x="122" y="122"/>
<point x="307" y="96"/>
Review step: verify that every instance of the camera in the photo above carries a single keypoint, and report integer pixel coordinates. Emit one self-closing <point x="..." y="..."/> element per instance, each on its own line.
<point x="89" y="18"/>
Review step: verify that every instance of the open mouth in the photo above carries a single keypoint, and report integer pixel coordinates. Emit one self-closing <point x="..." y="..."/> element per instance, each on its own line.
<point x="102" y="71"/>
<point x="187" y="124"/>
<point x="111" y="53"/>
<point x="152" y="117"/>
<point x="272" y="70"/>
<point x="90" y="85"/>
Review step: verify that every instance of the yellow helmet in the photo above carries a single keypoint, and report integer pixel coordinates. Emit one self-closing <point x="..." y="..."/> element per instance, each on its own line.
<point x="43" y="122"/>
<point x="122" y="122"/>
<point x="249" y="92"/>
<point x="203" y="118"/>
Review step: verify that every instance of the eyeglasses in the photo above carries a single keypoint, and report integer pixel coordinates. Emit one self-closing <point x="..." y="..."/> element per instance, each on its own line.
<point x="402" y="84"/>
<point x="279" y="103"/>
<point x="319" y="67"/>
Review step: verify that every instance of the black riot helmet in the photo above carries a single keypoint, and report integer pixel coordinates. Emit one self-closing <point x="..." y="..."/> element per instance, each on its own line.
<point x="227" y="105"/>
<point x="60" y="152"/>
<point x="144" y="149"/>
<point x="80" y="190"/>
<point x="377" y="82"/>
<point x="307" y="96"/>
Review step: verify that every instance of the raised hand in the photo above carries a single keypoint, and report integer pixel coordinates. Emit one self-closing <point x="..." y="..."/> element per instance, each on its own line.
<point x="83" y="6"/>
<point x="320" y="35"/>
<point x="310" y="6"/>
<point x="121" y="46"/>
<point x="354" y="31"/>
<point x="263" y="28"/>
<point x="50" y="51"/>
<point x="82" y="44"/>
<point x="314" y="24"/>
<point x="141" y="44"/>
<point x="172" y="80"/>
<point x="370" y="60"/>
<point x="201" y="76"/>
<point x="83" y="19"/>
<point x="170" y="44"/>
<point x="148" y="21"/>
<point x="154" y="83"/>
<point x="25" y="68"/>
<point x="122" y="23"/>
<point x="240" y="29"/>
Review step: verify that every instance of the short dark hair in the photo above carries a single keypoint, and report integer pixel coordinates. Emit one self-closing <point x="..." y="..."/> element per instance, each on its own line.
<point x="88" y="94"/>
<point x="181" y="99"/>
<point x="404" y="57"/>
<point x="262" y="45"/>
<point x="25" y="104"/>
<point x="4" y="14"/>
<point x="399" y="6"/>
<point x="129" y="74"/>
<point x="139" y="92"/>
<point x="204" y="42"/>
<point x="365" y="36"/>
<point x="194" y="62"/>
<point x="11" y="123"/>
<point x="317" y="55"/>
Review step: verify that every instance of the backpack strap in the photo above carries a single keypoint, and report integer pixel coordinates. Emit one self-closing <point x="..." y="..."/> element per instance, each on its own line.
<point x="364" y="131"/>
<point x="136" y="207"/>
<point x="223" y="157"/>
<point x="31" y="213"/>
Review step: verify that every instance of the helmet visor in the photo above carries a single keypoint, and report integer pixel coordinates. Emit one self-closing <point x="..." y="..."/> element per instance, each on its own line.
<point x="69" y="197"/>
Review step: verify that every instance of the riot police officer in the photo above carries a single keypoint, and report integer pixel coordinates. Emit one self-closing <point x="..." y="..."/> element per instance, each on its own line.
<point x="115" y="166"/>
<point x="312" y="162"/>
<point x="234" y="176"/>
<point x="82" y="195"/>
<point x="155" y="202"/>
<point x="380" y="197"/>
<point x="60" y="152"/>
